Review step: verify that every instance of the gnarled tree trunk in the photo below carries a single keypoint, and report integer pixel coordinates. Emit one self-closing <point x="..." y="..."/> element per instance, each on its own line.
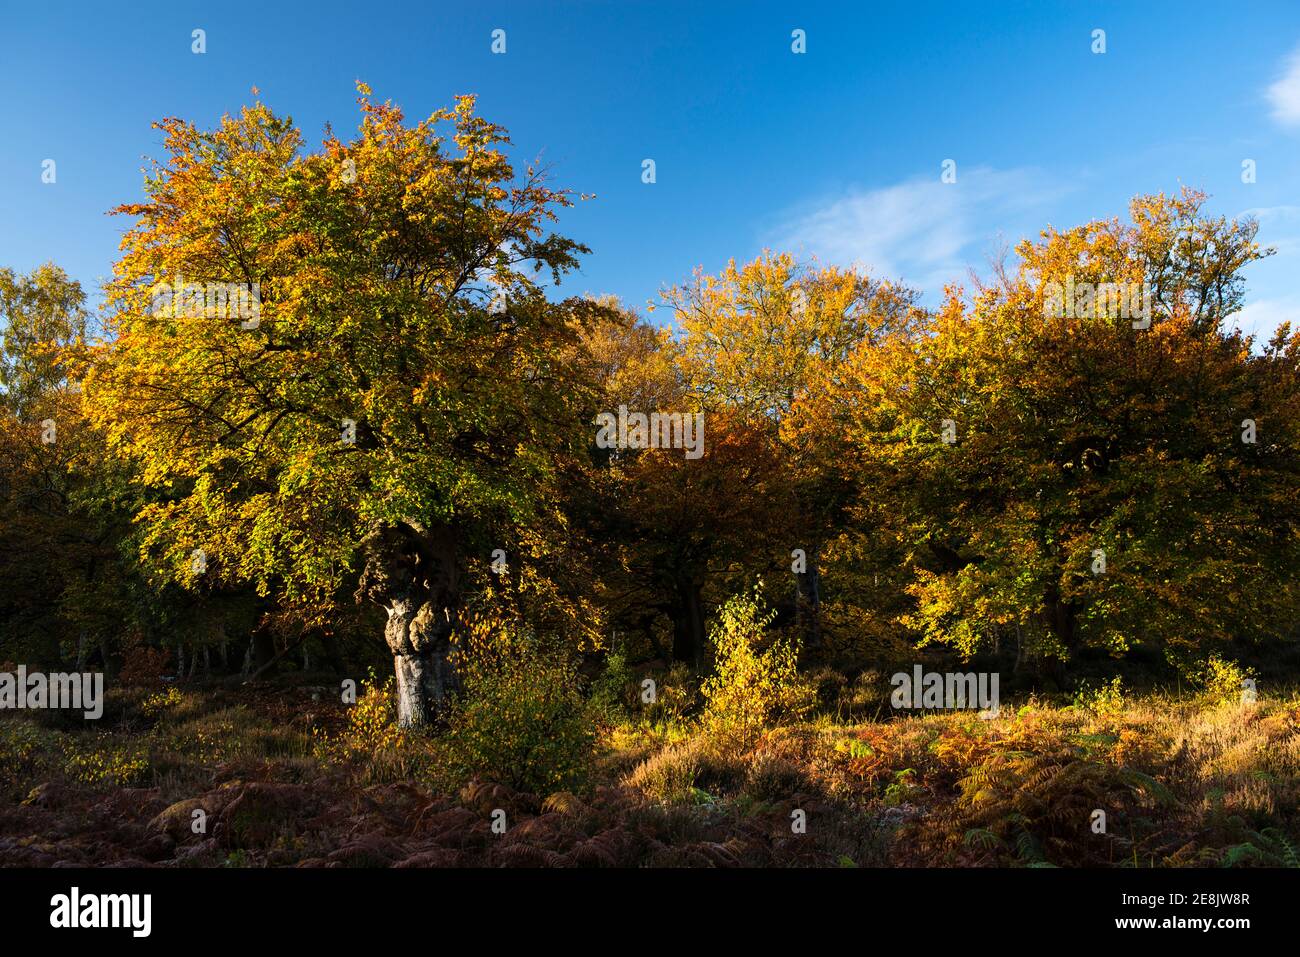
<point x="412" y="570"/>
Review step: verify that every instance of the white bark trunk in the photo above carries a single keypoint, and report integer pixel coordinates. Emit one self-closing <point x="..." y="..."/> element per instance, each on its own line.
<point x="423" y="672"/>
<point x="412" y="571"/>
<point x="414" y="701"/>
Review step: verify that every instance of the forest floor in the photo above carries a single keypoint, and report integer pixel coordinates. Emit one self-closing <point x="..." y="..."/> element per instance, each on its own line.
<point x="275" y="775"/>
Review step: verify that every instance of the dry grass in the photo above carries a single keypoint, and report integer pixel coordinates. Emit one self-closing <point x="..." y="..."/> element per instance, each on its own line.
<point x="1182" y="780"/>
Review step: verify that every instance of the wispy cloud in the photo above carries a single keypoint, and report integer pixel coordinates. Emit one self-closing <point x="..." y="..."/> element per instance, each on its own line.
<point x="1262" y="317"/>
<point x="922" y="231"/>
<point x="1279" y="227"/>
<point x="1284" y="94"/>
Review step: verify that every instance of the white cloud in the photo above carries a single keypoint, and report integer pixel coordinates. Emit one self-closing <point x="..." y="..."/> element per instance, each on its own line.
<point x="1285" y="93"/>
<point x="922" y="231"/>
<point x="1262" y="317"/>
<point x="1279" y="227"/>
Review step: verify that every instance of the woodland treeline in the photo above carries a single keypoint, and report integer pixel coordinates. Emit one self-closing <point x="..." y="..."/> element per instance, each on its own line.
<point x="181" y="493"/>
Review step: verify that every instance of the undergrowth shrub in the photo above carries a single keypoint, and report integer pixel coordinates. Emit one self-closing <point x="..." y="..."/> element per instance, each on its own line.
<point x="1270" y="847"/>
<point x="25" y="754"/>
<point x="1221" y="680"/>
<point x="1020" y="807"/>
<point x="667" y="777"/>
<point x="106" y="762"/>
<point x="689" y="771"/>
<point x="676" y="696"/>
<point x="518" y="717"/>
<point x="612" y="694"/>
<point x="620" y="695"/>
<point x="142" y="665"/>
<point x="161" y="702"/>
<point x="1105" y="700"/>
<point x="751" y="689"/>
<point x="372" y="721"/>
<point x="372" y="745"/>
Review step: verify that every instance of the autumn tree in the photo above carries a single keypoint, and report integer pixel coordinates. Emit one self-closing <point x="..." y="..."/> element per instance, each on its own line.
<point x="69" y="588"/>
<point x="1067" y="473"/>
<point x="389" y="391"/>
<point x="680" y="533"/>
<point x="695" y="531"/>
<point x="767" y="341"/>
<point x="41" y="316"/>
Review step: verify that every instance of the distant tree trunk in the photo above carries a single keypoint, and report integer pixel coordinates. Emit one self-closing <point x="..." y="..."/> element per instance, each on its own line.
<point x="1064" y="624"/>
<point x="688" y="624"/>
<point x="413" y="572"/>
<point x="91" y="566"/>
<point x="110" y="669"/>
<point x="1062" y="620"/>
<point x="808" y="596"/>
<point x="332" y="654"/>
<point x="261" y="647"/>
<point x="654" y="643"/>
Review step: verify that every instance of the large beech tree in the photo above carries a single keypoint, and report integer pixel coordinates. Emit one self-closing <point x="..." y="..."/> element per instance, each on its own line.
<point x="400" y="393"/>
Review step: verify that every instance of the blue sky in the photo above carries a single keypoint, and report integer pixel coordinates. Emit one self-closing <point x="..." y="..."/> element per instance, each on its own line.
<point x="836" y="152"/>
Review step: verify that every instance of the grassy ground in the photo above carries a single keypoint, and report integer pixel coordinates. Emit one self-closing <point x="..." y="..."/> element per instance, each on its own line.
<point x="286" y="775"/>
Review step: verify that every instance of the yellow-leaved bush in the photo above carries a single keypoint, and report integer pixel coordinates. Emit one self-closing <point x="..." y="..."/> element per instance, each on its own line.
<point x="752" y="688"/>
